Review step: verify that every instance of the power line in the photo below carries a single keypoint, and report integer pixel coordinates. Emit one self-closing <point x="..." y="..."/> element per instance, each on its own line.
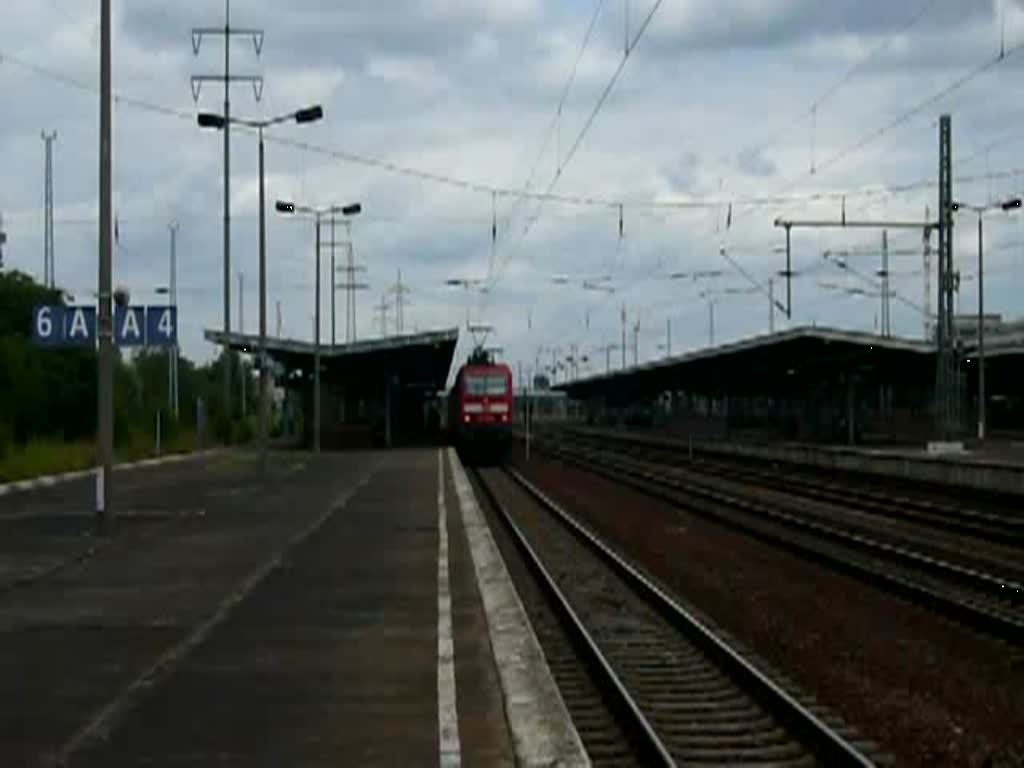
<point x="580" y="200"/>
<point x="811" y="111"/>
<point x="1002" y="138"/>
<point x="579" y="138"/>
<point x="909" y="114"/>
<point x="565" y="95"/>
<point x="502" y="191"/>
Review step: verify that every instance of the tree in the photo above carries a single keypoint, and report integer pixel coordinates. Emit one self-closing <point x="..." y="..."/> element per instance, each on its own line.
<point x="44" y="391"/>
<point x="52" y="393"/>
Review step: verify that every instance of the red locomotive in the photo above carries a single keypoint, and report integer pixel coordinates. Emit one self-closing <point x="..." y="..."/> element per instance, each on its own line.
<point x="480" y="409"/>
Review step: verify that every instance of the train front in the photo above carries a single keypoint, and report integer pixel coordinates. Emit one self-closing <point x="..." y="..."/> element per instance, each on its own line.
<point x="485" y="412"/>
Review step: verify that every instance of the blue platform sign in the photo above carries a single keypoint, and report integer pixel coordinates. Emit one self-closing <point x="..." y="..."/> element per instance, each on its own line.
<point x="48" y="325"/>
<point x="80" y="326"/>
<point x="58" y="325"/>
<point x="161" y="326"/>
<point x="130" y="326"/>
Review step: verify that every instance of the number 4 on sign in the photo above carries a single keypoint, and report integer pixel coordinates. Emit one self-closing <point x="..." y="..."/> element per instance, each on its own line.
<point x="161" y="326"/>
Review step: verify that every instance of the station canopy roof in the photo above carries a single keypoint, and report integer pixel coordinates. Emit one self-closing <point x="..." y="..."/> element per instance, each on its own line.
<point x="766" y="365"/>
<point x="416" y="360"/>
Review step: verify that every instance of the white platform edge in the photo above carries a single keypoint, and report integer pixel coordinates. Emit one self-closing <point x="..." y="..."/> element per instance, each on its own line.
<point x="543" y="733"/>
<point x="48" y="481"/>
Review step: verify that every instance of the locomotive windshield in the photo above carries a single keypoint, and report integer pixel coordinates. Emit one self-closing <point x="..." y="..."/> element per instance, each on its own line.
<point x="481" y="385"/>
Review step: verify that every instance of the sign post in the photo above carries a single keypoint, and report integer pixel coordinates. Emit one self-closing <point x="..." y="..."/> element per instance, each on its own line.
<point x="58" y="325"/>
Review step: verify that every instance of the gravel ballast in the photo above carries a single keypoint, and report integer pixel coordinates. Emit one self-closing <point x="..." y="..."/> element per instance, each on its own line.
<point x="929" y="691"/>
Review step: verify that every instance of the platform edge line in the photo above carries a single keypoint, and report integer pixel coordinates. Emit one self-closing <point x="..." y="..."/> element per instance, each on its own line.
<point x="449" y="743"/>
<point x="543" y="733"/>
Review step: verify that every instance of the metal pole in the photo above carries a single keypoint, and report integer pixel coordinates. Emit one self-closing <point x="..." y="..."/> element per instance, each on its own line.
<point x="316" y="347"/>
<point x="105" y="407"/>
<point x="946" y="373"/>
<point x="334" y="289"/>
<point x="886" y="307"/>
<point x="527" y="423"/>
<point x="623" y="336"/>
<point x="789" y="273"/>
<point x="174" y="303"/>
<point x="264" y="402"/>
<point x="49" y="268"/>
<point x="46" y="210"/>
<point x="771" y="305"/>
<point x="158" y="432"/>
<point x="668" y="328"/>
<point x="350" y="293"/>
<point x="227" y="207"/>
<point x="170" y="352"/>
<point x="711" y="322"/>
<point x="981" y="331"/>
<point x="927" y="259"/>
<point x="241" y="329"/>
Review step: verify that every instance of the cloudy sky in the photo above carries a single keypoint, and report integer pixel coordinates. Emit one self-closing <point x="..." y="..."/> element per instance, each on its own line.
<point x="719" y="103"/>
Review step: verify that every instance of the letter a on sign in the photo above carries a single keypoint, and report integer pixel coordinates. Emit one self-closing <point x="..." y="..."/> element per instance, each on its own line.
<point x="129" y="323"/>
<point x="81" y="328"/>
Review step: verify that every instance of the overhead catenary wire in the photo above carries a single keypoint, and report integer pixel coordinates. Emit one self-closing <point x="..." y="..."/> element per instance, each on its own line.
<point x="578" y="142"/>
<point x="908" y="114"/>
<point x="811" y="112"/>
<point x="575" y="200"/>
<point x="592" y="201"/>
<point x="563" y="98"/>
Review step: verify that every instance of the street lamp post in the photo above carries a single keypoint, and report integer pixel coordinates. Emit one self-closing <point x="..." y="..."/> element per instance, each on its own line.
<point x="207" y="120"/>
<point x="1006" y="205"/>
<point x="105" y="372"/>
<point x="318" y="214"/>
<point x="172" y="397"/>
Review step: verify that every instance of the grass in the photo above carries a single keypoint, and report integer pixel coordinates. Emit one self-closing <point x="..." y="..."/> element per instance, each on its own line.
<point x="47" y="456"/>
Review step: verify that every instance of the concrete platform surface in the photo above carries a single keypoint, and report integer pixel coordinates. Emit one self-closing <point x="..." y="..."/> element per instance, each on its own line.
<point x="326" y="611"/>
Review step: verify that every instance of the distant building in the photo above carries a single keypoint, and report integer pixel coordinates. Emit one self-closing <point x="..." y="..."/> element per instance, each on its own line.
<point x="966" y="327"/>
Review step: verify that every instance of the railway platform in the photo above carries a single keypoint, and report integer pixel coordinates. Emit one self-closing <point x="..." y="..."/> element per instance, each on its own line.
<point x="346" y="609"/>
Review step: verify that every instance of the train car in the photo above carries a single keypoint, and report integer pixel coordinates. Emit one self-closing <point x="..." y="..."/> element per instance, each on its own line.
<point x="480" y="410"/>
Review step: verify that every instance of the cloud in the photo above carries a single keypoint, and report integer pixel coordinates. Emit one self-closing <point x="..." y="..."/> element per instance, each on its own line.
<point x="467" y="89"/>
<point x="754" y="162"/>
<point x="683" y="174"/>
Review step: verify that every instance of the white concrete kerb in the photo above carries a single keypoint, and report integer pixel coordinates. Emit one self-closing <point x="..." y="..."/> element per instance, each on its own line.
<point x="542" y="731"/>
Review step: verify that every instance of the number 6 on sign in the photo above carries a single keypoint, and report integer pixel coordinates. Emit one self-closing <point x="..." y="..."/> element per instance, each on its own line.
<point x="48" y="324"/>
<point x="162" y="326"/>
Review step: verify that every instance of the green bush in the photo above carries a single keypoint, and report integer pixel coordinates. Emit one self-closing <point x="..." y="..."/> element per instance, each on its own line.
<point x="6" y="439"/>
<point x="242" y="431"/>
<point x="45" y="457"/>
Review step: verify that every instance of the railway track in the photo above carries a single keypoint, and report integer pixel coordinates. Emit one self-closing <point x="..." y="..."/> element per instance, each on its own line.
<point x="978" y="598"/>
<point x="887" y="523"/>
<point x="681" y="692"/>
<point x="876" y="496"/>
